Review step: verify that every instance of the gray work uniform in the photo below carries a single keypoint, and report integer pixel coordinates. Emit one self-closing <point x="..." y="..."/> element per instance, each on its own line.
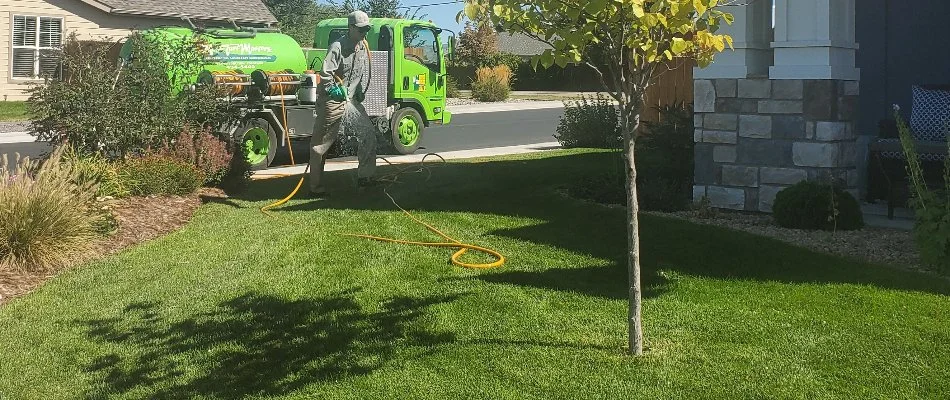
<point x="351" y="64"/>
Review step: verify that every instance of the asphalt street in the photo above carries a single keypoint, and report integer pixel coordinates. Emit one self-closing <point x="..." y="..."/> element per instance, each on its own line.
<point x="466" y="132"/>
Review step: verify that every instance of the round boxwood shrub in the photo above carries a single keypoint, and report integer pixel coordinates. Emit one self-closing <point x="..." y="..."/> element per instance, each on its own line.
<point x="811" y="205"/>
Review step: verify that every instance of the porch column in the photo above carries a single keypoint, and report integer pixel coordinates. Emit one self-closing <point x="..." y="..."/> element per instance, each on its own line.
<point x="814" y="49"/>
<point x="814" y="39"/>
<point x="729" y="134"/>
<point x="751" y="33"/>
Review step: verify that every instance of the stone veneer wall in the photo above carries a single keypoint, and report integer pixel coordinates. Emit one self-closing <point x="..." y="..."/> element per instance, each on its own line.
<point x="755" y="137"/>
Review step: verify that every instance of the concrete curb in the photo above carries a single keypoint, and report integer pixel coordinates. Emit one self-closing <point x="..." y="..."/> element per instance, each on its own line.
<point x="517" y="106"/>
<point x="16" y="137"/>
<point x="347" y="164"/>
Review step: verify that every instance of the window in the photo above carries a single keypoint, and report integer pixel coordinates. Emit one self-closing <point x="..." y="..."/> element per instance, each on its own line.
<point x="35" y="44"/>
<point x="421" y="46"/>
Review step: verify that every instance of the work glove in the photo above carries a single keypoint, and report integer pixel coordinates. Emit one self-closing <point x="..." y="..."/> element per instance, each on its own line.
<point x="337" y="92"/>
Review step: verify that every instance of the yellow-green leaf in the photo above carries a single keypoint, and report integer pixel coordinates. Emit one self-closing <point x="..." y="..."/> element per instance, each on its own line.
<point x="547" y="58"/>
<point x="679" y="45"/>
<point x="729" y="42"/>
<point x="719" y="43"/>
<point x="729" y="18"/>
<point x="700" y="7"/>
<point x="638" y="10"/>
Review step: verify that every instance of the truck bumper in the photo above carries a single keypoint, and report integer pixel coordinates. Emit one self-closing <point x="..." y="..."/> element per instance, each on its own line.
<point x="446" y="117"/>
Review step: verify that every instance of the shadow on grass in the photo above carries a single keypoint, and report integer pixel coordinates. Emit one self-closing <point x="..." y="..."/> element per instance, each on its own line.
<point x="527" y="189"/>
<point x="254" y="345"/>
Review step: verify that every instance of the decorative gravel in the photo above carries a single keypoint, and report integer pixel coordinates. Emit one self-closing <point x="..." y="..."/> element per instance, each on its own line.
<point x="880" y="245"/>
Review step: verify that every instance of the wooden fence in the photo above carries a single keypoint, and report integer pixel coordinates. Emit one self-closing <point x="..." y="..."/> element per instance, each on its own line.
<point x="672" y="86"/>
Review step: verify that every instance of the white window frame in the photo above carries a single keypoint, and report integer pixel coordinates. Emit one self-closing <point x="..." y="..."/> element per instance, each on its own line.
<point x="37" y="48"/>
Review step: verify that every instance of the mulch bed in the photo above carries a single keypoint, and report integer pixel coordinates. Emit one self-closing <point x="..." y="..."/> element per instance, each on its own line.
<point x="878" y="245"/>
<point x="139" y="219"/>
<point x="886" y="246"/>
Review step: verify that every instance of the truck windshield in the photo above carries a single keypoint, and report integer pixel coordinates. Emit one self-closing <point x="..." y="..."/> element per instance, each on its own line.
<point x="420" y="46"/>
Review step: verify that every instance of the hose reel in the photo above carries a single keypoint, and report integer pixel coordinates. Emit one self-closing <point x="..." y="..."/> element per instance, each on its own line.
<point x="235" y="82"/>
<point x="274" y="83"/>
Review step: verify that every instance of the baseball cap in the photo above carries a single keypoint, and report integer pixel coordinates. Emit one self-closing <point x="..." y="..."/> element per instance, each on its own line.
<point x="359" y="19"/>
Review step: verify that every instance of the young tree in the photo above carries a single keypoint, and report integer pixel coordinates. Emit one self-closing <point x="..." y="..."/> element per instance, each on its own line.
<point x="626" y="43"/>
<point x="477" y="42"/>
<point x="298" y="18"/>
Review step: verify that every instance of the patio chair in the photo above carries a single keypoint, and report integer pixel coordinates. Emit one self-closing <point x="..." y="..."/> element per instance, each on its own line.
<point x="929" y="125"/>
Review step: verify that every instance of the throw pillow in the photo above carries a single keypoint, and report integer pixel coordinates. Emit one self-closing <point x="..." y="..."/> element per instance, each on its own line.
<point x="930" y="115"/>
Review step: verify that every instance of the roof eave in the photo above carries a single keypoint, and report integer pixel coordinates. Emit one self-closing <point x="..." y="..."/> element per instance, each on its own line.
<point x="190" y="16"/>
<point x="98" y="5"/>
<point x="119" y="11"/>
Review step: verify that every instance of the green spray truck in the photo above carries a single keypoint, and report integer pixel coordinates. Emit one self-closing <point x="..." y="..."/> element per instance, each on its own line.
<point x="267" y="75"/>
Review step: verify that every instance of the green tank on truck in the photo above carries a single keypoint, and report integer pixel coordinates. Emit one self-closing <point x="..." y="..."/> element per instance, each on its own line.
<point x="273" y="81"/>
<point x="239" y="51"/>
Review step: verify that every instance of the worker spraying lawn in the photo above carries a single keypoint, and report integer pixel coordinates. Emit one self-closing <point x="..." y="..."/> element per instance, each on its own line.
<point x="377" y="78"/>
<point x="339" y="109"/>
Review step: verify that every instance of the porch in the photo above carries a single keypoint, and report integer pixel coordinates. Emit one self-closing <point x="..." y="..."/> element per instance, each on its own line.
<point x="804" y="93"/>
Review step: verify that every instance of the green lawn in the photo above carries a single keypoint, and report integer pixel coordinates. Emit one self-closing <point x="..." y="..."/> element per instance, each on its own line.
<point x="239" y="305"/>
<point x="13" y="111"/>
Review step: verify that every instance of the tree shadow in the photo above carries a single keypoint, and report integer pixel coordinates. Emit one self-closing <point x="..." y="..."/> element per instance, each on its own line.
<point x="529" y="189"/>
<point x="609" y="282"/>
<point x="254" y="345"/>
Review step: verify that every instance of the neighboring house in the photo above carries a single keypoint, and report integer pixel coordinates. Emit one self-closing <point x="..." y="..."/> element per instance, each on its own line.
<point x="520" y="45"/>
<point x="30" y="30"/>
<point x="799" y="99"/>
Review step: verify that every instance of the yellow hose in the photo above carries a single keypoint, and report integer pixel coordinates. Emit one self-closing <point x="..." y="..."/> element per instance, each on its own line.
<point x="290" y="150"/>
<point x="453" y="243"/>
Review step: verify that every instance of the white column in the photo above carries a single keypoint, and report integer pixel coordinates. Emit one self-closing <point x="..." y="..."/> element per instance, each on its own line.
<point x="751" y="33"/>
<point x="814" y="39"/>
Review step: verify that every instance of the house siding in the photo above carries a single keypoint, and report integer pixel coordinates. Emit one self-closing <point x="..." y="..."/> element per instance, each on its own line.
<point x="88" y="22"/>
<point x="901" y="46"/>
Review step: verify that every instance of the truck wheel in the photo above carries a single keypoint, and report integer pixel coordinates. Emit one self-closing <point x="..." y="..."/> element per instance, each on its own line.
<point x="259" y="140"/>
<point x="407" y="128"/>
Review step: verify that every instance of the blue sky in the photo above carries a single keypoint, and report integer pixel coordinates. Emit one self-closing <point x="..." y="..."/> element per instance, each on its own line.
<point x="442" y="15"/>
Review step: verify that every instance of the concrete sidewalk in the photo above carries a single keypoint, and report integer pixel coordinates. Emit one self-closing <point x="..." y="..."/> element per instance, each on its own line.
<point x="502" y="106"/>
<point x="16" y="137"/>
<point x="351" y="163"/>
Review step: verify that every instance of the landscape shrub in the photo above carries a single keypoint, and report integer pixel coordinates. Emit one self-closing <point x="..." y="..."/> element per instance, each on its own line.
<point x="452" y="87"/>
<point x="117" y="109"/>
<point x="813" y="205"/>
<point x="47" y="214"/>
<point x="492" y="84"/>
<point x="592" y="121"/>
<point x="238" y="175"/>
<point x="931" y="207"/>
<point x="156" y="173"/>
<point x="97" y="169"/>
<point x="664" y="155"/>
<point x="205" y="151"/>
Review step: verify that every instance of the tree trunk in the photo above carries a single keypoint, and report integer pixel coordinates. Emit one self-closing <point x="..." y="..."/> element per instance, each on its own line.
<point x="630" y="122"/>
